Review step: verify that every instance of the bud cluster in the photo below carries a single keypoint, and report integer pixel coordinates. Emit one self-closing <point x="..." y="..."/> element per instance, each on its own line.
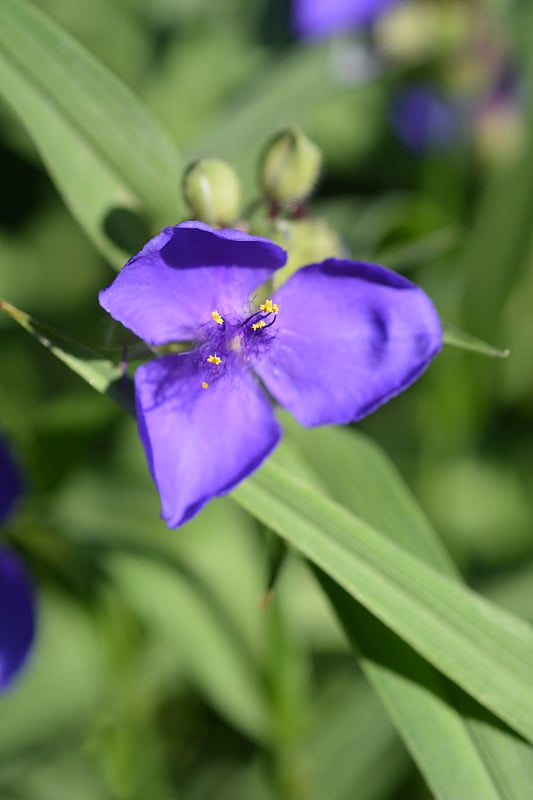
<point x="289" y="168"/>
<point x="288" y="172"/>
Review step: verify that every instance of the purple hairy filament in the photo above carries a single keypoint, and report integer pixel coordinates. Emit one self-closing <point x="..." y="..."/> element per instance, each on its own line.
<point x="225" y="340"/>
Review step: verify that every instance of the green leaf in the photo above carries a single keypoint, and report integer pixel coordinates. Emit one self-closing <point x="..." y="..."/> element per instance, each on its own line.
<point x="439" y="723"/>
<point x="199" y="593"/>
<point x="114" y="166"/>
<point x="422" y="251"/>
<point x="104" y="376"/>
<point x="464" y="341"/>
<point x="179" y="607"/>
<point x="497" y="248"/>
<point x="353" y="747"/>
<point x="484" y="650"/>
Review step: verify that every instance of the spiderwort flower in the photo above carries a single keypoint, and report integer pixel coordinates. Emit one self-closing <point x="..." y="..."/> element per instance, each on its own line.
<point x="11" y="482"/>
<point x="17" y="613"/>
<point x="423" y="120"/>
<point x="335" y="341"/>
<point x="317" y="19"/>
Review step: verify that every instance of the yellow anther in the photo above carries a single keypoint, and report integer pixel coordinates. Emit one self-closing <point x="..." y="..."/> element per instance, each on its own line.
<point x="257" y="325"/>
<point x="269" y="307"/>
<point x="204" y="385"/>
<point x="214" y="359"/>
<point x="217" y="318"/>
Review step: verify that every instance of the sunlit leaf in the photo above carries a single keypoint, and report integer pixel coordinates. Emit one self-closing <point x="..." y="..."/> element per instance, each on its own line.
<point x="114" y="166"/>
<point x="484" y="650"/>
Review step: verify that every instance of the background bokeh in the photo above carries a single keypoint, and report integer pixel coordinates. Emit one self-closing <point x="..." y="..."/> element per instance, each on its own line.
<point x="156" y="672"/>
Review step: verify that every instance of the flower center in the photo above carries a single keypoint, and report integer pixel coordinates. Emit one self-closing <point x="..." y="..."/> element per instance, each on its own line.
<point x="227" y="341"/>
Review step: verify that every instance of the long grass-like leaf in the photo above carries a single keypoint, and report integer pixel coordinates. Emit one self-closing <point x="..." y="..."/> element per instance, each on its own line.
<point x="113" y="164"/>
<point x="103" y="375"/>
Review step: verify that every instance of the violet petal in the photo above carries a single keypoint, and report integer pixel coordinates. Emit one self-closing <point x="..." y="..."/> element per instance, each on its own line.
<point x="169" y="289"/>
<point x="350" y="336"/>
<point x="200" y="443"/>
<point x="316" y="19"/>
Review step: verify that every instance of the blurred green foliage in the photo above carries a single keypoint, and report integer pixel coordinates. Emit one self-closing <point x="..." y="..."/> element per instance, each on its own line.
<point x="156" y="672"/>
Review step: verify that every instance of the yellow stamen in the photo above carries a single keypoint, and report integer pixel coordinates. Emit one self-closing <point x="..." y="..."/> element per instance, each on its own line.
<point x="217" y="318"/>
<point x="257" y="325"/>
<point x="269" y="307"/>
<point x="204" y="385"/>
<point x="214" y="359"/>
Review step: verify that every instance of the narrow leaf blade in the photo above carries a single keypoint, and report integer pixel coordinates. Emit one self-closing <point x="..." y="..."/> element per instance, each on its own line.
<point x="114" y="166"/>
<point x="464" y="341"/>
<point x="104" y="376"/>
<point x="443" y="725"/>
<point x="482" y="649"/>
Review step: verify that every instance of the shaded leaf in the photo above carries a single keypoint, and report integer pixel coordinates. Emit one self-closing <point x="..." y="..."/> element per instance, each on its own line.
<point x="104" y="376"/>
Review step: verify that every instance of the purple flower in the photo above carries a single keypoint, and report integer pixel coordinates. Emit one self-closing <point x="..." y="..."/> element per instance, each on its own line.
<point x="17" y="616"/>
<point x="317" y="19"/>
<point x="423" y="120"/>
<point x="335" y="341"/>
<point x="11" y="482"/>
<point x="17" y="612"/>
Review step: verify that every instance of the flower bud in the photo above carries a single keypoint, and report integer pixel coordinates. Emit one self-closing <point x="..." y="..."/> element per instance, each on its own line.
<point x="307" y="241"/>
<point x="289" y="167"/>
<point x="212" y="190"/>
<point x="415" y="30"/>
<point x="499" y="134"/>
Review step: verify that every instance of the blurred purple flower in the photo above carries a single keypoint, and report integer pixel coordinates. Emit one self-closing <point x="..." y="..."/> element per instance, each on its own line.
<point x="337" y="340"/>
<point x="17" y="616"/>
<point x="318" y="19"/>
<point x="11" y="482"/>
<point x="17" y="612"/>
<point x="423" y="120"/>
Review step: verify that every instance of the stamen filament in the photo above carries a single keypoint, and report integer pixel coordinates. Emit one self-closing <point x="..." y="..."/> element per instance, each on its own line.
<point x="265" y="310"/>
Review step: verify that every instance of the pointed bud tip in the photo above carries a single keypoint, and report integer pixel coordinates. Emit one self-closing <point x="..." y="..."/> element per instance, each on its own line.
<point x="212" y="190"/>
